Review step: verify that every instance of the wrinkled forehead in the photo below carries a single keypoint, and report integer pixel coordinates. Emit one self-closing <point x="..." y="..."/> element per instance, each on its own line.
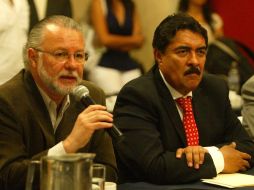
<point x="59" y="36"/>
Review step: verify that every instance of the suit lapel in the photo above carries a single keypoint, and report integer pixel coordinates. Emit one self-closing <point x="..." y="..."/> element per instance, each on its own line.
<point x="201" y="109"/>
<point x="40" y="110"/>
<point x="169" y="105"/>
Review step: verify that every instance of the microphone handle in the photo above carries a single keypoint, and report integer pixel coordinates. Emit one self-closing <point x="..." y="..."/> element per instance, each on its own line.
<point x="114" y="132"/>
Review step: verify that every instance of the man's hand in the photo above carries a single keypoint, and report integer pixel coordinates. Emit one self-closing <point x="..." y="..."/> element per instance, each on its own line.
<point x="234" y="160"/>
<point x="92" y="118"/>
<point x="195" y="155"/>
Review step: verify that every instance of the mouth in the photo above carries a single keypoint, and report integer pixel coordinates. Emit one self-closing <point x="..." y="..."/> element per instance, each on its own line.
<point x="68" y="79"/>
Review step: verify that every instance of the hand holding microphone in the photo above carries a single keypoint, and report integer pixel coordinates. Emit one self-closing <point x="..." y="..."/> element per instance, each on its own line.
<point x="82" y="94"/>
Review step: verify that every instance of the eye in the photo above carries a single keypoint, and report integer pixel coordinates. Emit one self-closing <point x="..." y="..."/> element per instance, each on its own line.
<point x="61" y="54"/>
<point x="80" y="55"/>
<point x="201" y="52"/>
<point x="182" y="52"/>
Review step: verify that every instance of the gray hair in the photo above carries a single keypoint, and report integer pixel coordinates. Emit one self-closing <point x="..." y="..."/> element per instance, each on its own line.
<point x="36" y="35"/>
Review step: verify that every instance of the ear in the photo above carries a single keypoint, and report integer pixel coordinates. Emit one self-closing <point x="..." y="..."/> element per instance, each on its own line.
<point x="157" y="56"/>
<point x="32" y="56"/>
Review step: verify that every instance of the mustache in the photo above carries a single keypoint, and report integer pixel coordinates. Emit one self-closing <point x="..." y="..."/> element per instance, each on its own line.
<point x="193" y="70"/>
<point x="69" y="74"/>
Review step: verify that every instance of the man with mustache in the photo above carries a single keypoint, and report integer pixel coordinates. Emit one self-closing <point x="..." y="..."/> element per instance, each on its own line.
<point x="164" y="141"/>
<point x="39" y="116"/>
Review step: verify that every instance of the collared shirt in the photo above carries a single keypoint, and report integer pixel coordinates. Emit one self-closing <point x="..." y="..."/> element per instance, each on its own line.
<point x="215" y="153"/>
<point x="55" y="113"/>
<point x="55" y="117"/>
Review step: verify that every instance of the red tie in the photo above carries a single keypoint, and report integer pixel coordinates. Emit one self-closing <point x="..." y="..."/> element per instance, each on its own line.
<point x="191" y="130"/>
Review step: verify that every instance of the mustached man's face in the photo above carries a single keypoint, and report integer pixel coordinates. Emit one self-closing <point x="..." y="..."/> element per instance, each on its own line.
<point x="183" y="62"/>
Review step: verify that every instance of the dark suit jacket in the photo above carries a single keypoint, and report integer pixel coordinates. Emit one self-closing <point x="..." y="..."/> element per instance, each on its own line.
<point x="26" y="130"/>
<point x="54" y="7"/>
<point x="147" y="115"/>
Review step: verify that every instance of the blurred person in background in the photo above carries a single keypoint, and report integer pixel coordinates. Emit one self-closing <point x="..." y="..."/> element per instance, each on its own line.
<point x="248" y="106"/>
<point x="40" y="9"/>
<point x="117" y="27"/>
<point x="201" y="10"/>
<point x="14" y="23"/>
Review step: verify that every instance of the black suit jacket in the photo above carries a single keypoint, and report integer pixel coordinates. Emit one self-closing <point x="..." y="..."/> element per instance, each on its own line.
<point x="26" y="131"/>
<point x="54" y="7"/>
<point x="147" y="115"/>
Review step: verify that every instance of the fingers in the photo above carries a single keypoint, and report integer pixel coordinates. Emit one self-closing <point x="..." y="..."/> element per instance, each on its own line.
<point x="195" y="155"/>
<point x="245" y="156"/>
<point x="234" y="160"/>
<point x="179" y="152"/>
<point x="92" y="118"/>
<point x="94" y="107"/>
<point x="96" y="116"/>
<point x="245" y="166"/>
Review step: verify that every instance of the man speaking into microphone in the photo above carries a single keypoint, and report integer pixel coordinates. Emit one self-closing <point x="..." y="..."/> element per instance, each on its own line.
<point x="39" y="114"/>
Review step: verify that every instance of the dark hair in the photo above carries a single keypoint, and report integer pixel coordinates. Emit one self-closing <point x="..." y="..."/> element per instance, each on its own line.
<point x="168" y="28"/>
<point x="207" y="10"/>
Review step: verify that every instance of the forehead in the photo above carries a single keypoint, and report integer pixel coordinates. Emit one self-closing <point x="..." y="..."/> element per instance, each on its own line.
<point x="60" y="37"/>
<point x="187" y="38"/>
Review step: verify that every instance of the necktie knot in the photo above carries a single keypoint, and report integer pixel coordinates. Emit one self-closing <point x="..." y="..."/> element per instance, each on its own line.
<point x="185" y="103"/>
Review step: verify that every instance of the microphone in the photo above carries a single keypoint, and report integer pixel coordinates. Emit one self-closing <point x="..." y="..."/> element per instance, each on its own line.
<point x="82" y="94"/>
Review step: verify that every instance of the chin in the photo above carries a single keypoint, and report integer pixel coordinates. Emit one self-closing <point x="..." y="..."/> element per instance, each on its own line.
<point x="192" y="85"/>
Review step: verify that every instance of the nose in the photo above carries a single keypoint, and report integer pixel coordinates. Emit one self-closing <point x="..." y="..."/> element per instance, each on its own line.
<point x="71" y="63"/>
<point x="193" y="59"/>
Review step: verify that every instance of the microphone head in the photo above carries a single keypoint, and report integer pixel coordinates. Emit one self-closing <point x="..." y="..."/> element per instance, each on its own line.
<point x="80" y="91"/>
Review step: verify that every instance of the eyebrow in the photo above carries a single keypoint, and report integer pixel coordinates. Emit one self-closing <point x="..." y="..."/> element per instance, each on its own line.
<point x="188" y="48"/>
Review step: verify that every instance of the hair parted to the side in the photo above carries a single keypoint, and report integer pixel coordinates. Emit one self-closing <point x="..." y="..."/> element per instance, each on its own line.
<point x="168" y="28"/>
<point x="36" y="35"/>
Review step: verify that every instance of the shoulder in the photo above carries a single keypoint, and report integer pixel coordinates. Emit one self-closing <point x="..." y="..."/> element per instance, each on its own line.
<point x="142" y="91"/>
<point x="213" y="84"/>
<point x="14" y="86"/>
<point x="141" y="84"/>
<point x="248" y="88"/>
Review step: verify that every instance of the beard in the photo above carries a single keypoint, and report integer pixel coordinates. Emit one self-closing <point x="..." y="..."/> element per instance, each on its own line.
<point x="52" y="82"/>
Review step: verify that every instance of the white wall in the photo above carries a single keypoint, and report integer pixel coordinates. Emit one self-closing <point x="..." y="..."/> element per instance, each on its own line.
<point x="152" y="12"/>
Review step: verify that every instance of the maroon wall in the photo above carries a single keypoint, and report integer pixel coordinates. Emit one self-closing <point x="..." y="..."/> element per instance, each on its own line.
<point x="238" y="17"/>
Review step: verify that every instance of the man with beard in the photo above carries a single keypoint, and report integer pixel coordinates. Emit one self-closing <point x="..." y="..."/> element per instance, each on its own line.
<point x="177" y="122"/>
<point x="39" y="116"/>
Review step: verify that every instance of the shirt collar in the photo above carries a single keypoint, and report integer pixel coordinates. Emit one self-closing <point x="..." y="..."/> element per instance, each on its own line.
<point x="50" y="104"/>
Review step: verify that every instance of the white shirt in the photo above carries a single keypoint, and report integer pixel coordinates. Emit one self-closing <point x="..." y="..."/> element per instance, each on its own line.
<point x="14" y="23"/>
<point x="215" y="153"/>
<point x="56" y="118"/>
